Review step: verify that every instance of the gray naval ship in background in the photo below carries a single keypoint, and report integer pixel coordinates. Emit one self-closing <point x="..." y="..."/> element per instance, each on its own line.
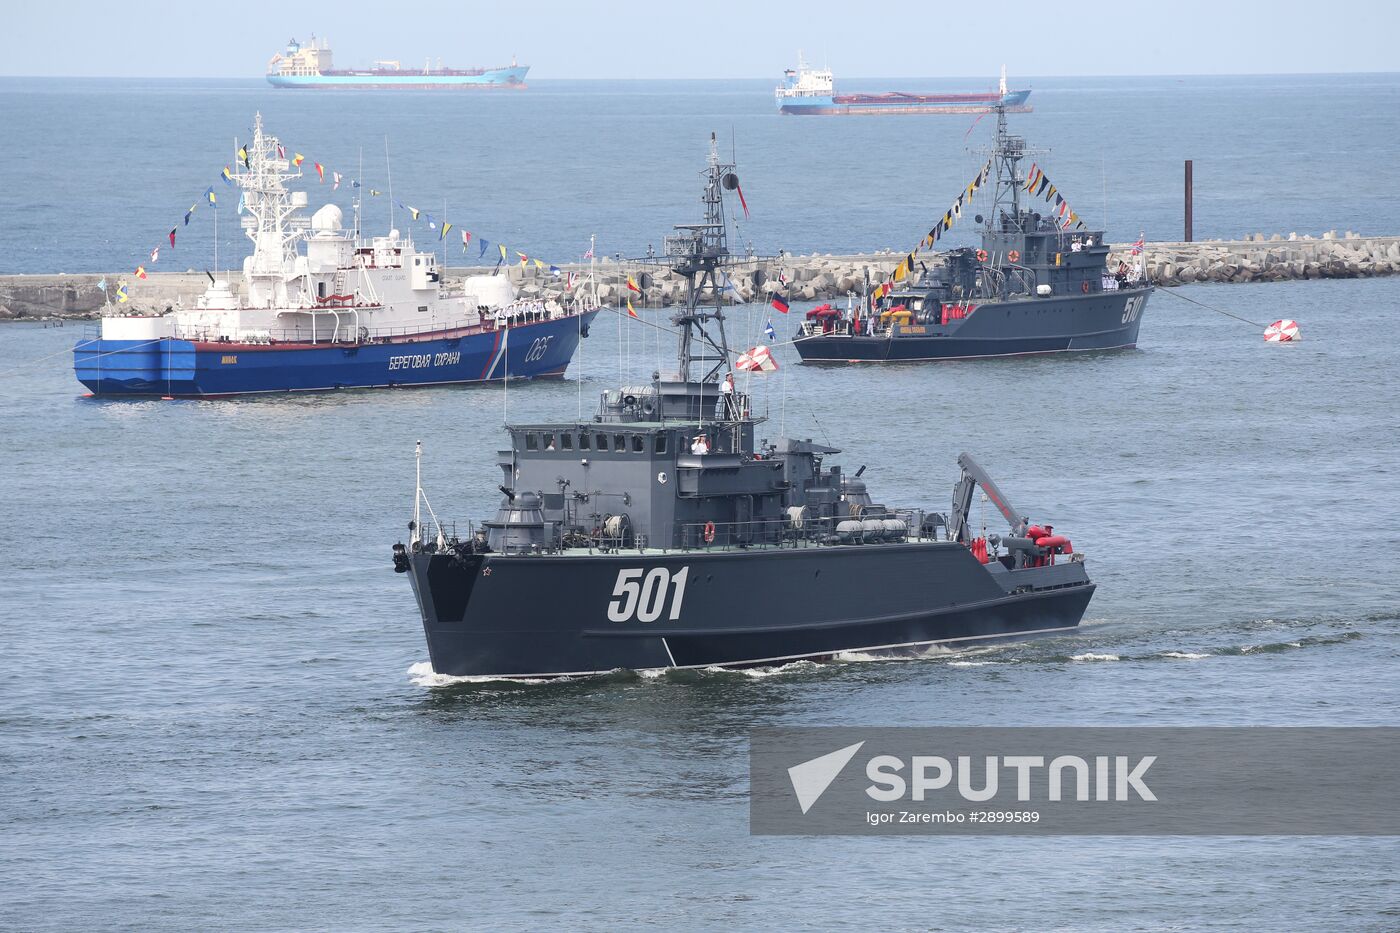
<point x="662" y="534"/>
<point x="1031" y="287"/>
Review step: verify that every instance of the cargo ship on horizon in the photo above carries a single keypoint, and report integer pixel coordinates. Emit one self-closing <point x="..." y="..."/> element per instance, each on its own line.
<point x="808" y="90"/>
<point x="310" y="66"/>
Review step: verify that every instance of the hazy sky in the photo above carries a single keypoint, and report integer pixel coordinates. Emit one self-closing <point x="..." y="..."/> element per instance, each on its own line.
<point x="661" y="39"/>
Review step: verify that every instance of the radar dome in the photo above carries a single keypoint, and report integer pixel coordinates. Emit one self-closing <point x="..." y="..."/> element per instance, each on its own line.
<point x="327" y="219"/>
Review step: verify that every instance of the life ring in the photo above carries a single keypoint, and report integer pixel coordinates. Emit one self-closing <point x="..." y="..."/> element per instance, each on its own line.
<point x="1014" y="256"/>
<point x="709" y="532"/>
<point x="981" y="255"/>
<point x="1084" y="287"/>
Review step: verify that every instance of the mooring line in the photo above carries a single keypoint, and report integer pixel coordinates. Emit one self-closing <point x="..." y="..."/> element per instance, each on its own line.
<point x="28" y="363"/>
<point x="1211" y="308"/>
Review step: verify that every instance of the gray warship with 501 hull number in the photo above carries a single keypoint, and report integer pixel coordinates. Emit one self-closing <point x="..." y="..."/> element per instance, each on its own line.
<point x="1033" y="286"/>
<point x="663" y="533"/>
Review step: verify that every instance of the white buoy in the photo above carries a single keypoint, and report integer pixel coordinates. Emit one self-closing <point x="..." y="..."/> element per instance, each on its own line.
<point x="1284" y="331"/>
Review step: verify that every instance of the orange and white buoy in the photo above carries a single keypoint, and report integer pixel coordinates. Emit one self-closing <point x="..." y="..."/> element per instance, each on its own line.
<point x="1284" y="331"/>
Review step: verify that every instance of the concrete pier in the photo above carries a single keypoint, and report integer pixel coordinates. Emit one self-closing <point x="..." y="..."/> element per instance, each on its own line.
<point x="815" y="277"/>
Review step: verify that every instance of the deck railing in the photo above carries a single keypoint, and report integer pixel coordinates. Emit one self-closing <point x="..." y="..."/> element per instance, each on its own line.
<point x="347" y="335"/>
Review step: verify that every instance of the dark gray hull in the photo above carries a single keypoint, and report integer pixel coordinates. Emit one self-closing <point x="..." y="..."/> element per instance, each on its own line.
<point x="1096" y="321"/>
<point x="537" y="616"/>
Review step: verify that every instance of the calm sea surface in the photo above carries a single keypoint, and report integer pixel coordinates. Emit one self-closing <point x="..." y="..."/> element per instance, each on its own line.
<point x="215" y="710"/>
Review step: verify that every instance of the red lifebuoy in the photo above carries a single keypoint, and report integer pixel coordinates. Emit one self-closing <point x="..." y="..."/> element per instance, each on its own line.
<point x="709" y="532"/>
<point x="1084" y="287"/>
<point x="981" y="255"/>
<point x="1014" y="256"/>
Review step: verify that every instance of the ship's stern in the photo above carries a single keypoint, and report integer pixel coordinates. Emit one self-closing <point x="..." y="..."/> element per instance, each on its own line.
<point x="135" y="356"/>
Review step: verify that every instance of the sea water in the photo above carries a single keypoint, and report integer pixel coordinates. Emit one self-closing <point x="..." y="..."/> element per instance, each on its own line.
<point x="215" y="708"/>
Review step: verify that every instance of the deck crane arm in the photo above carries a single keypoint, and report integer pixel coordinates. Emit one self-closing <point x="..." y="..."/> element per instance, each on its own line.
<point x="972" y="477"/>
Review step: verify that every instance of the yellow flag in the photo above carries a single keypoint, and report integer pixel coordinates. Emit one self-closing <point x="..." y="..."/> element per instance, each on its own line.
<point x="631" y="310"/>
<point x="503" y="251"/>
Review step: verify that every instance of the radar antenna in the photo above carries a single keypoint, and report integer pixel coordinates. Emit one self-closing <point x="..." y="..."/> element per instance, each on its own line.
<point x="699" y="253"/>
<point x="1006" y="155"/>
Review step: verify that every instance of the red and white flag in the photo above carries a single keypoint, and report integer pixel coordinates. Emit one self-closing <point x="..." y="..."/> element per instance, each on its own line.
<point x="335" y="180"/>
<point x="155" y="254"/>
<point x="758" y="360"/>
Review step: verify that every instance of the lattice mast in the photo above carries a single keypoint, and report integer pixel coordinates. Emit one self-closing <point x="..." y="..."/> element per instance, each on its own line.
<point x="699" y="253"/>
<point x="273" y="222"/>
<point x="1006" y="156"/>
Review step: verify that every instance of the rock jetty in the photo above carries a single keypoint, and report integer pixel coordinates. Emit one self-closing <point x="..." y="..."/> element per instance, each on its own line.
<point x="815" y="277"/>
<point x="1260" y="258"/>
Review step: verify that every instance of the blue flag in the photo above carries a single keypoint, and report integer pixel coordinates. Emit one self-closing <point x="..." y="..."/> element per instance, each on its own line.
<point x="768" y="329"/>
<point x="102" y="283"/>
<point x="484" y="244"/>
<point x="555" y="270"/>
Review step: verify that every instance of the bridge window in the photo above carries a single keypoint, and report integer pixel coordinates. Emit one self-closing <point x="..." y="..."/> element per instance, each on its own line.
<point x="639" y="446"/>
<point x="602" y="442"/>
<point x="549" y="441"/>
<point x="620" y="442"/>
<point x="583" y="440"/>
<point x="532" y="441"/>
<point x="659" y="445"/>
<point x="566" y="441"/>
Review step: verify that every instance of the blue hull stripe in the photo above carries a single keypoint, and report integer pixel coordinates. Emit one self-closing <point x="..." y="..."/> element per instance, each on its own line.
<point x="182" y="368"/>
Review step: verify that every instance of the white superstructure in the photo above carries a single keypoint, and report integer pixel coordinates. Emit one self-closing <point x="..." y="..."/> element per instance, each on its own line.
<point x="805" y="82"/>
<point x="339" y="288"/>
<point x="302" y="60"/>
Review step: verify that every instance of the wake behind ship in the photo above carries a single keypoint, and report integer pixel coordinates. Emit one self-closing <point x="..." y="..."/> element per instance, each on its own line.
<point x="345" y="313"/>
<point x="309" y="66"/>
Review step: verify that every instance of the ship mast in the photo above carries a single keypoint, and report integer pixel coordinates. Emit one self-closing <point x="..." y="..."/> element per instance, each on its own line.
<point x="698" y="253"/>
<point x="271" y="224"/>
<point x="1007" y="157"/>
<point x="1005" y="214"/>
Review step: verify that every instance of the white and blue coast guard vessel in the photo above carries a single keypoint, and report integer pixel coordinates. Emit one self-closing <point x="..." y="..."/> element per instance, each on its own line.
<point x="340" y="313"/>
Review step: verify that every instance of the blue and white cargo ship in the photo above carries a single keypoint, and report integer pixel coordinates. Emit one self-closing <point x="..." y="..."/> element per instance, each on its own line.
<point x="319" y="308"/>
<point x="309" y="66"/>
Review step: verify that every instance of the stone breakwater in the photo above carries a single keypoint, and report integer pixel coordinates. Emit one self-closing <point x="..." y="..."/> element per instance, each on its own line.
<point x="1268" y="259"/>
<point x="811" y="278"/>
